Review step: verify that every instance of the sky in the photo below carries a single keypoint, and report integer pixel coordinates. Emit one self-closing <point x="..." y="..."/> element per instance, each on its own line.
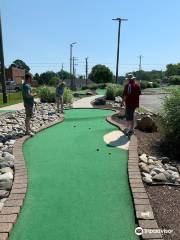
<point x="40" y="32"/>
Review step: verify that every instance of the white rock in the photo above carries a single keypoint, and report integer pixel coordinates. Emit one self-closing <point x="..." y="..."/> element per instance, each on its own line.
<point x="159" y="177"/>
<point x="152" y="158"/>
<point x="147" y="179"/>
<point x="143" y="158"/>
<point x="158" y="170"/>
<point x="144" y="167"/>
<point x="153" y="173"/>
<point x="8" y="156"/>
<point x="6" y="176"/>
<point x="150" y="161"/>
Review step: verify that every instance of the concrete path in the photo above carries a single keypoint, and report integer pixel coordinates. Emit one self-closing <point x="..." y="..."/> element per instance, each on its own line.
<point x="15" y="107"/>
<point x="152" y="102"/>
<point x="85" y="102"/>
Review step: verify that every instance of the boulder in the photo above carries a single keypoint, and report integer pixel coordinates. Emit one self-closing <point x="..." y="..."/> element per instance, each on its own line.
<point x="144" y="167"/>
<point x="146" y="123"/>
<point x="158" y="170"/>
<point x="4" y="194"/>
<point x="164" y="160"/>
<point x="143" y="158"/>
<point x="5" y="170"/>
<point x="147" y="179"/>
<point x="100" y="101"/>
<point x="6" y="176"/>
<point x="159" y="177"/>
<point x="5" y="185"/>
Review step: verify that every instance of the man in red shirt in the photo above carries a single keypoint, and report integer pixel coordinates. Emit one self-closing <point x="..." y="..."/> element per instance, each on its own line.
<point x="131" y="94"/>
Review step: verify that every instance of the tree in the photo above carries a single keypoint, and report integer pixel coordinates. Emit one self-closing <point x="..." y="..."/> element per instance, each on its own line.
<point x="101" y="74"/>
<point x="46" y="76"/>
<point x="173" y="69"/>
<point x="20" y="64"/>
<point x="53" y="81"/>
<point x="64" y="74"/>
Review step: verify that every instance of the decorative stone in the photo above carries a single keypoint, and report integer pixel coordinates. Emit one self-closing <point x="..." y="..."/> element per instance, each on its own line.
<point x="144" y="167"/>
<point x="4" y="194"/>
<point x="147" y="179"/>
<point x="5" y="185"/>
<point x="146" y="123"/>
<point x="158" y="170"/>
<point x="159" y="177"/>
<point x="6" y="176"/>
<point x="143" y="158"/>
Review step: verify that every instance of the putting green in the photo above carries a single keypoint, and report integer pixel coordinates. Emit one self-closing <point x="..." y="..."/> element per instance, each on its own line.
<point x="78" y="186"/>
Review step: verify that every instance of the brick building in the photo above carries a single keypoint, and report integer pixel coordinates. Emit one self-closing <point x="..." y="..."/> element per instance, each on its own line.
<point x="15" y="75"/>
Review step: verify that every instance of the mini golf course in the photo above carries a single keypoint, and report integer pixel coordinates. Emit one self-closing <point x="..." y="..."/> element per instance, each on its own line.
<point x="78" y="186"/>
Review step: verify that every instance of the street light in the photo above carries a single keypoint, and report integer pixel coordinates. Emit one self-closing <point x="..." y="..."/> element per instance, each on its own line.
<point x="117" y="63"/>
<point x="71" y="46"/>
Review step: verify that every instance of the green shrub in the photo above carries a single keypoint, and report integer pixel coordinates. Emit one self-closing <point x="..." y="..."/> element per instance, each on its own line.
<point x="170" y="119"/>
<point x="68" y="96"/>
<point x="143" y="84"/>
<point x="84" y="87"/>
<point x="155" y="85"/>
<point x="174" y="80"/>
<point x="47" y="94"/>
<point x="113" y="90"/>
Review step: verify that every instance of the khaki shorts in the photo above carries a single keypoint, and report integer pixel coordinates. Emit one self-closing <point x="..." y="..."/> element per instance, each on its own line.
<point x="29" y="111"/>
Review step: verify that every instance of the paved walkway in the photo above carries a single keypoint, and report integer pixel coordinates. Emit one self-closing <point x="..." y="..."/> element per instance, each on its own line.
<point x="15" y="107"/>
<point x="85" y="102"/>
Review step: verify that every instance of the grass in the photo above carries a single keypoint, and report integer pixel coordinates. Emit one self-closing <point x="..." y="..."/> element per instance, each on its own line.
<point x="13" y="98"/>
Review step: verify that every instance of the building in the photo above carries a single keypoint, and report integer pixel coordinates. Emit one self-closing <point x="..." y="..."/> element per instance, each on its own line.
<point x="15" y="75"/>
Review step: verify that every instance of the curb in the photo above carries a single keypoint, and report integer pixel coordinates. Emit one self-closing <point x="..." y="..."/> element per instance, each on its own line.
<point x="143" y="210"/>
<point x="15" y="201"/>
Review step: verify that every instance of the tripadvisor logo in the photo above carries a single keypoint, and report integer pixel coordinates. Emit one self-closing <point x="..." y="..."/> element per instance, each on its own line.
<point x="138" y="231"/>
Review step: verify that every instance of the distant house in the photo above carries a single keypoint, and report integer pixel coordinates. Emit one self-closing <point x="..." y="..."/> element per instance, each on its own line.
<point x="15" y="75"/>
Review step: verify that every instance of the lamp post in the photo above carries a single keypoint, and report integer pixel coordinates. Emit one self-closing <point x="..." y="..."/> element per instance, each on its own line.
<point x="71" y="46"/>
<point x="118" y="44"/>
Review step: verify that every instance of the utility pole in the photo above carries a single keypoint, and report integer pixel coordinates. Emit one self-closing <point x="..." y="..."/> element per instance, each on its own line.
<point x="62" y="69"/>
<point x="86" y="71"/>
<point x="71" y="76"/>
<point x="74" y="73"/>
<point x="140" y="62"/>
<point x="2" y="67"/>
<point x="140" y="66"/>
<point x="118" y="44"/>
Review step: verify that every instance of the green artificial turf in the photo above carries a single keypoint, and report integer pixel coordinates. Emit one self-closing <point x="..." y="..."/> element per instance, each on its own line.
<point x="78" y="186"/>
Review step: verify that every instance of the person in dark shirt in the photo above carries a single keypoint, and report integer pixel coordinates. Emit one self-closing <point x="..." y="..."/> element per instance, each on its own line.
<point x="59" y="95"/>
<point x="28" y="98"/>
<point x="131" y="94"/>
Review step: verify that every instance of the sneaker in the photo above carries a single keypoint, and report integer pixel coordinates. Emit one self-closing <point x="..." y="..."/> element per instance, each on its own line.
<point x="130" y="132"/>
<point x="126" y="130"/>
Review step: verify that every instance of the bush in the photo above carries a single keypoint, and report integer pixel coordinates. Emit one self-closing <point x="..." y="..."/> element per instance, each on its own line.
<point x="68" y="96"/>
<point x="113" y="90"/>
<point x="155" y="85"/>
<point x="174" y="80"/>
<point x="170" y="119"/>
<point x="47" y="94"/>
<point x="143" y="84"/>
<point x="84" y="87"/>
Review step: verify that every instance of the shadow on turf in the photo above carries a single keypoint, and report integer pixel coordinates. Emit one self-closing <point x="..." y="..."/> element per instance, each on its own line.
<point x="119" y="142"/>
